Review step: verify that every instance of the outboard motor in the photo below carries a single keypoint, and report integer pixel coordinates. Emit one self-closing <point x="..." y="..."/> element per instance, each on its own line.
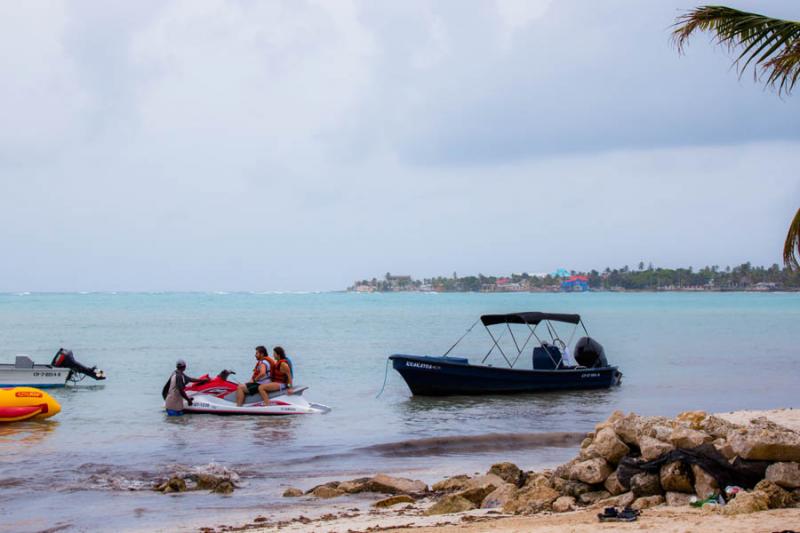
<point x="590" y="353"/>
<point x="66" y="359"/>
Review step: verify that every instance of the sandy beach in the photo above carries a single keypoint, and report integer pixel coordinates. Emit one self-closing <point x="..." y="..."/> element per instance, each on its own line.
<point x="356" y="513"/>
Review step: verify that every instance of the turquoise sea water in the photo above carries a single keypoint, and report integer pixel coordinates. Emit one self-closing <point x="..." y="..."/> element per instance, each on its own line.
<point x="678" y="351"/>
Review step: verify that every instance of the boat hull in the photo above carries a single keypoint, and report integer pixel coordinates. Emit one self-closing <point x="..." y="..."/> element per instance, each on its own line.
<point x="442" y="376"/>
<point x="40" y="376"/>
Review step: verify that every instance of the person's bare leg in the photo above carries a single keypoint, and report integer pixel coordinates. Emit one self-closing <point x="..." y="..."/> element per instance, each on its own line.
<point x="240" y="394"/>
<point x="265" y="388"/>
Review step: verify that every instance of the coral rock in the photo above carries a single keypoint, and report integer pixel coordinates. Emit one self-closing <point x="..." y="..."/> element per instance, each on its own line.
<point x="564" y="504"/>
<point x="644" y="484"/>
<point x="606" y="445"/>
<point x="588" y="498"/>
<point x="451" y="484"/>
<point x="508" y="472"/>
<point x="646" y="502"/>
<point x="704" y="483"/>
<point x="499" y="497"/>
<point x="292" y="492"/>
<point x="766" y="441"/>
<point x="652" y="448"/>
<point x="570" y="488"/>
<point x="683" y="437"/>
<point x="614" y="485"/>
<point x="451" y="503"/>
<point x="324" y="491"/>
<point x="393" y="500"/>
<point x="747" y="502"/>
<point x="677" y="499"/>
<point x="778" y="497"/>
<point x="592" y="471"/>
<point x="786" y="475"/>
<point x="531" y="500"/>
<point x="393" y="485"/>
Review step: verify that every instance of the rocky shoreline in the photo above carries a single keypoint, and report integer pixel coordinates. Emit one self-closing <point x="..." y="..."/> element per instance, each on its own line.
<point x="726" y="466"/>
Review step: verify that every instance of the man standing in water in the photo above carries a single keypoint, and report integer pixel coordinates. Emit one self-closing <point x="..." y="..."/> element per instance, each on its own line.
<point x="175" y="391"/>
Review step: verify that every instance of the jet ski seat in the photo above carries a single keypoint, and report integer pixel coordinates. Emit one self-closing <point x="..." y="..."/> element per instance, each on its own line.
<point x="250" y="398"/>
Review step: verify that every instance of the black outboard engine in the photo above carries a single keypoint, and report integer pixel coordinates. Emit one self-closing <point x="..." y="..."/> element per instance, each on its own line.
<point x="66" y="359"/>
<point x="590" y="353"/>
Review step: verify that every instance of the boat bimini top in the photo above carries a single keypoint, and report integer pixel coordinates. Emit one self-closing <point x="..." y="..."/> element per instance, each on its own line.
<point x="548" y="355"/>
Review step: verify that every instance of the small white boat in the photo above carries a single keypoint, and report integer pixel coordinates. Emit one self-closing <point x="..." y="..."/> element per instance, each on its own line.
<point x="24" y="373"/>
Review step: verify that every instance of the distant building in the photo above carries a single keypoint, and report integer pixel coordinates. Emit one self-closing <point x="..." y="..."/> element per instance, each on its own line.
<point x="575" y="284"/>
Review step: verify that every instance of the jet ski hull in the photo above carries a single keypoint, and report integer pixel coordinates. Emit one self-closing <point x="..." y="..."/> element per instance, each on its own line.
<point x="280" y="406"/>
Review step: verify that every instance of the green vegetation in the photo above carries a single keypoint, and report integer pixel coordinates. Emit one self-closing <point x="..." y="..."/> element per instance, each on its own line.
<point x="744" y="277"/>
<point x="771" y="46"/>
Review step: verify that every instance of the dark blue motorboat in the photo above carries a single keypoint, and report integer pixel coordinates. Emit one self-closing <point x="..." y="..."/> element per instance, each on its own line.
<point x="551" y="367"/>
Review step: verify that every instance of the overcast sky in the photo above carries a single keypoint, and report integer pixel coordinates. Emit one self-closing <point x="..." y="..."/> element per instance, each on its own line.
<point x="212" y="145"/>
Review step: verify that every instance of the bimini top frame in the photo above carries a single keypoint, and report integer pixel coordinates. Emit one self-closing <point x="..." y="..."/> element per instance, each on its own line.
<point x="532" y="319"/>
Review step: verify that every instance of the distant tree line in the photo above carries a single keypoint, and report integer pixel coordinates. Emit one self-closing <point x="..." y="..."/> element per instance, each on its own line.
<point x="641" y="277"/>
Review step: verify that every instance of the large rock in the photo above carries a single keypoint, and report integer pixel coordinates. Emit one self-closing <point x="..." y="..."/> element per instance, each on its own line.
<point x="629" y="428"/>
<point x="508" y="472"/>
<point x="393" y="500"/>
<point x="329" y="484"/>
<point x="653" y="448"/>
<point x="564" y="469"/>
<point x="644" y="484"/>
<point x="766" y="441"/>
<point x="223" y="487"/>
<point x="675" y="477"/>
<point x="717" y="427"/>
<point x="354" y="485"/>
<point x="778" y="497"/>
<point x="564" y="504"/>
<point x="539" y="479"/>
<point x="786" y="475"/>
<point x="567" y="487"/>
<point x="622" y="500"/>
<point x="451" y="484"/>
<point x="691" y="419"/>
<point x="677" y="499"/>
<point x="683" y="437"/>
<point x="292" y="492"/>
<point x="747" y="502"/>
<point x="592" y="471"/>
<point x="646" y="502"/>
<point x="325" y="492"/>
<point x="704" y="483"/>
<point x="477" y="494"/>
<point x="531" y="500"/>
<point x="606" y="445"/>
<point x="393" y="485"/>
<point x="451" y="503"/>
<point x="589" y="498"/>
<point x="613" y="485"/>
<point x="499" y="496"/>
<point x="724" y="448"/>
<point x="173" y="484"/>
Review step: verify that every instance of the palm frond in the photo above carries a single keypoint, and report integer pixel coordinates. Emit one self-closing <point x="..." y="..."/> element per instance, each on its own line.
<point x="771" y="45"/>
<point x="791" y="249"/>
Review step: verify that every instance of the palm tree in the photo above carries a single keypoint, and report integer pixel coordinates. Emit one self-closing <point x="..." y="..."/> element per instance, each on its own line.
<point x="771" y="46"/>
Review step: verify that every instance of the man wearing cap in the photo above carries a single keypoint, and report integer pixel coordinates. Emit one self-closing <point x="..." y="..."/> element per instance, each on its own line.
<point x="175" y="393"/>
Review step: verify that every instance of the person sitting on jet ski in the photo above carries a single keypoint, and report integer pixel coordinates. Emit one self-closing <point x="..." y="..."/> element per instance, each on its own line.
<point x="281" y="370"/>
<point x="260" y="376"/>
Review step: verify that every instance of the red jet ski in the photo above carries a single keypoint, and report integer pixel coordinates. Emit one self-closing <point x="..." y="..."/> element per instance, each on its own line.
<point x="217" y="396"/>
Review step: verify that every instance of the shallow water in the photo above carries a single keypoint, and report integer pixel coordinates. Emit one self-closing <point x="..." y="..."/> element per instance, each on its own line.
<point x="678" y="351"/>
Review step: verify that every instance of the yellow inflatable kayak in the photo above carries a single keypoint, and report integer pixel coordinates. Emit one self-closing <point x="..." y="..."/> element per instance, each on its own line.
<point x="22" y="403"/>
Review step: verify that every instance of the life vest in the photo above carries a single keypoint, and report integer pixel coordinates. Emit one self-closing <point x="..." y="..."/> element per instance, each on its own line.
<point x="265" y="379"/>
<point x="277" y="375"/>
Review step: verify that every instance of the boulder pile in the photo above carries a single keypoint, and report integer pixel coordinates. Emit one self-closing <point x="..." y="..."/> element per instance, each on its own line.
<point x="637" y="461"/>
<point x="629" y="460"/>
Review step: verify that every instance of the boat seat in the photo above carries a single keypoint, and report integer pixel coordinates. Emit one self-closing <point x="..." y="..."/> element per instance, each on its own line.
<point x="546" y="358"/>
<point x="23" y="361"/>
